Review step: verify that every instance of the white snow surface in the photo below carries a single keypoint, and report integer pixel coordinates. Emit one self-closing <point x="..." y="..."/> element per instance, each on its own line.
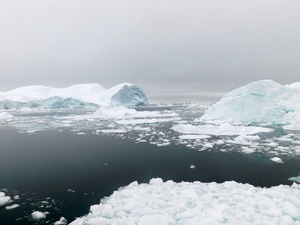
<point x="4" y="199"/>
<point x="260" y="102"/>
<point x="91" y="93"/>
<point x="170" y="203"/>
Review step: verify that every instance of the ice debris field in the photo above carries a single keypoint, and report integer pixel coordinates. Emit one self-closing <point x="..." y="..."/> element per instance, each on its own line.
<point x="261" y="117"/>
<point x="169" y="203"/>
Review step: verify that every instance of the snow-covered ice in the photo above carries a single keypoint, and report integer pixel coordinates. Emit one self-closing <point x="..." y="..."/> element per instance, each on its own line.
<point x="167" y="203"/>
<point x="260" y="102"/>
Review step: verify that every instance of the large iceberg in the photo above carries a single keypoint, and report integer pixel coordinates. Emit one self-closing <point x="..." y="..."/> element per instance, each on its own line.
<point x="170" y="203"/>
<point x="260" y="102"/>
<point x="79" y="95"/>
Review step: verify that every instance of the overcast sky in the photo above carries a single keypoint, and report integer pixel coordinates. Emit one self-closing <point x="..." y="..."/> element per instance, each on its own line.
<point x="176" y="50"/>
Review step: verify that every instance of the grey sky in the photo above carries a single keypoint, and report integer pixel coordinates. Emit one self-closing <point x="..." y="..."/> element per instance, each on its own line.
<point x="174" y="50"/>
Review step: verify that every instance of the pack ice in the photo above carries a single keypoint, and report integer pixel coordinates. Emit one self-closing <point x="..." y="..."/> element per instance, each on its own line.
<point x="79" y="95"/>
<point x="261" y="102"/>
<point x="170" y="203"/>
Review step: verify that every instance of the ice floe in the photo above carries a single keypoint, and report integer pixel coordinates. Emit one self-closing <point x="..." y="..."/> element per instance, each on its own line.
<point x="9" y="207"/>
<point x="260" y="102"/>
<point x="4" y="199"/>
<point x="295" y="179"/>
<point x="167" y="203"/>
<point x="277" y="160"/>
<point x="37" y="215"/>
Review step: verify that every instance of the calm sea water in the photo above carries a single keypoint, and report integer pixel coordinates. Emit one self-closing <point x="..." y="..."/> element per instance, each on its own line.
<point x="64" y="173"/>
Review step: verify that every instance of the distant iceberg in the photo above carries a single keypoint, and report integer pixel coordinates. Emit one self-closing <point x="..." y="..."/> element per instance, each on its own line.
<point x="261" y="102"/>
<point x="80" y="95"/>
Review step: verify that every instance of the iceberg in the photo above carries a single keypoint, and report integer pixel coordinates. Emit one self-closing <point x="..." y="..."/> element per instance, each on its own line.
<point x="128" y="95"/>
<point x="260" y="102"/>
<point x="168" y="203"/>
<point x="80" y="95"/>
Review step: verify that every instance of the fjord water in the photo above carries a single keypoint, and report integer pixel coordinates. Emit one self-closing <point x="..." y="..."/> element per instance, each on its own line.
<point x="64" y="173"/>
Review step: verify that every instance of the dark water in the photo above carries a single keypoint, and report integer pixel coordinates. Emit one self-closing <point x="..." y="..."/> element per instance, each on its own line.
<point x="64" y="173"/>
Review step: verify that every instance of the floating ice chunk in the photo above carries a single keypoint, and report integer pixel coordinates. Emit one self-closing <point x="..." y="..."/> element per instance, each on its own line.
<point x="192" y="167"/>
<point x="276" y="159"/>
<point x="196" y="203"/>
<point x="244" y="140"/>
<point x="4" y="199"/>
<point x="12" y="206"/>
<point x="37" y="215"/>
<point x="16" y="197"/>
<point x="223" y="129"/>
<point x="208" y="145"/>
<point x="62" y="221"/>
<point x="295" y="179"/>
